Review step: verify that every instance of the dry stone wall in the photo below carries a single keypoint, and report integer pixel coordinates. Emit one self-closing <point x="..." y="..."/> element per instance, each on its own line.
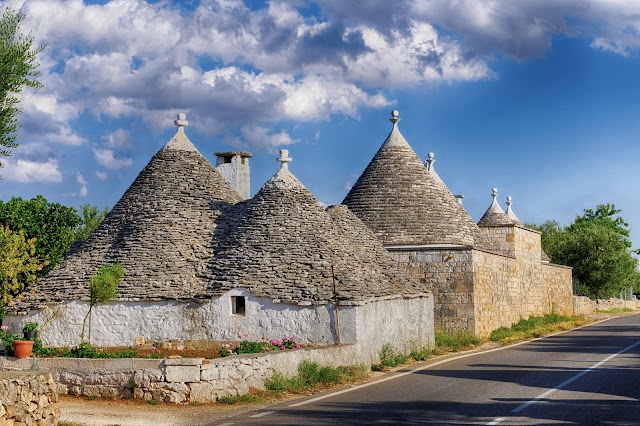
<point x="448" y="274"/>
<point x="479" y="290"/>
<point x="584" y="305"/>
<point x="176" y="380"/>
<point x="28" y="398"/>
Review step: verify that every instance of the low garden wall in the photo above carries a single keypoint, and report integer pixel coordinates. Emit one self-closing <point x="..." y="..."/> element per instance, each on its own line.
<point x="28" y="398"/>
<point x="584" y="305"/>
<point x="179" y="380"/>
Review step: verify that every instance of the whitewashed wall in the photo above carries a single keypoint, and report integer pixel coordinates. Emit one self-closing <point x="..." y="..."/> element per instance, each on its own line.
<point x="398" y="321"/>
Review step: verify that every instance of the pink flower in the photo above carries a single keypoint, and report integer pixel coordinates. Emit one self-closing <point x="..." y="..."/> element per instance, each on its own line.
<point x="282" y="348"/>
<point x="231" y="344"/>
<point x="269" y="349"/>
<point x="246" y="335"/>
<point x="4" y="327"/>
<point x="284" y="339"/>
<point x="297" y="345"/>
<point x="262" y="337"/>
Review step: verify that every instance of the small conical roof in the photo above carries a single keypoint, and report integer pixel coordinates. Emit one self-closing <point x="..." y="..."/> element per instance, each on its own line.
<point x="158" y="231"/>
<point x="403" y="203"/>
<point x="495" y="216"/>
<point x="282" y="244"/>
<point x="510" y="214"/>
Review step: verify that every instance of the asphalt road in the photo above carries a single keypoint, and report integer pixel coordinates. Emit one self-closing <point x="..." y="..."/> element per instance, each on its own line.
<point x="586" y="376"/>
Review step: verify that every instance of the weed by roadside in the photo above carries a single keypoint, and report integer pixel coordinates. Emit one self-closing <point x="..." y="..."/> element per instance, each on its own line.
<point x="614" y="311"/>
<point x="536" y="326"/>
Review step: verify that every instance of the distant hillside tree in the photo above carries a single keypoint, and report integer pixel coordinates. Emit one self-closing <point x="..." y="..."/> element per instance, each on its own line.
<point x="50" y="224"/>
<point x="19" y="265"/>
<point x="90" y="219"/>
<point x="18" y="69"/>
<point x="597" y="246"/>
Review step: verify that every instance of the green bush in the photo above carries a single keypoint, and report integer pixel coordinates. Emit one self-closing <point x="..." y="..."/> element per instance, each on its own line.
<point x="311" y="375"/>
<point x="389" y="357"/>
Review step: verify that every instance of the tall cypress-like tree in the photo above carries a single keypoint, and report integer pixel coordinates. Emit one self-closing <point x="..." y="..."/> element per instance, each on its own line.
<point x="18" y="69"/>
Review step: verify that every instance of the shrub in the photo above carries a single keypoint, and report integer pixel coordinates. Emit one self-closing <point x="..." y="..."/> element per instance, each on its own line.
<point x="390" y="358"/>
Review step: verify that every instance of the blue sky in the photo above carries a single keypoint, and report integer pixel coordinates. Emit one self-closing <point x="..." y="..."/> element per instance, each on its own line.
<point x="539" y="98"/>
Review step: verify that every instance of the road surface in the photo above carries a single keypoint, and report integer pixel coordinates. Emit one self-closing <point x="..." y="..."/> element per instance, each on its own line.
<point x="586" y="376"/>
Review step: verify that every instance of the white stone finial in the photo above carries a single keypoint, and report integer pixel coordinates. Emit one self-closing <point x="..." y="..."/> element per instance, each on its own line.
<point x="181" y="122"/>
<point x="459" y="197"/>
<point x="430" y="161"/>
<point x="394" y="117"/>
<point x="284" y="159"/>
<point x="494" y="193"/>
<point x="509" y="201"/>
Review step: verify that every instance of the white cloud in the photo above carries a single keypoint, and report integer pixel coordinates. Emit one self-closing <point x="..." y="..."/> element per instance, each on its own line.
<point x="266" y="139"/>
<point x="83" y="184"/>
<point x="119" y="138"/>
<point x="106" y="158"/>
<point x="26" y="171"/>
<point x="101" y="175"/>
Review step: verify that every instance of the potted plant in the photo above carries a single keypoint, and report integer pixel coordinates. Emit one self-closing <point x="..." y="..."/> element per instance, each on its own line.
<point x="30" y="330"/>
<point x="22" y="348"/>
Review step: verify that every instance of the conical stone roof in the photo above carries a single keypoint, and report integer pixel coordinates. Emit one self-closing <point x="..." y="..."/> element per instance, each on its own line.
<point x="159" y="231"/>
<point x="510" y="213"/>
<point x="402" y="203"/>
<point x="495" y="216"/>
<point x="282" y="244"/>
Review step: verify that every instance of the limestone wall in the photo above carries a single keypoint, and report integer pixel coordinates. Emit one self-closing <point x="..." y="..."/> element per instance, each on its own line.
<point x="501" y="239"/>
<point x="584" y="305"/>
<point x="448" y="274"/>
<point x="178" y="380"/>
<point x="480" y="290"/>
<point x="28" y="398"/>
<point x="402" y="323"/>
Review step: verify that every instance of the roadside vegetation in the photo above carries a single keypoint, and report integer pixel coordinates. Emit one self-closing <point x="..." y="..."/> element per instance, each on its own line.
<point x="536" y="326"/>
<point x="311" y="377"/>
<point x="614" y="311"/>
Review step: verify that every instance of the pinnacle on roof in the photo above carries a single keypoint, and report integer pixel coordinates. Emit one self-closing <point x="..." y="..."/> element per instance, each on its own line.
<point x="430" y="166"/>
<point x="403" y="203"/>
<point x="281" y="244"/>
<point x="495" y="216"/>
<point x="180" y="141"/>
<point x="510" y="212"/>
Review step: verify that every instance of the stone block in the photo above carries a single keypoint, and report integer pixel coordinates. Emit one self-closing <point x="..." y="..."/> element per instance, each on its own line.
<point x="182" y="373"/>
<point x="183" y="361"/>
<point x="212" y="373"/>
<point x="202" y="392"/>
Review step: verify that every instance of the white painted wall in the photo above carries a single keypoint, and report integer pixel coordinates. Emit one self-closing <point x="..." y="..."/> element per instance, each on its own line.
<point x="400" y="322"/>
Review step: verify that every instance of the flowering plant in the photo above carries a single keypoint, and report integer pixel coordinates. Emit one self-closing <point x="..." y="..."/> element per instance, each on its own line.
<point x="251" y="347"/>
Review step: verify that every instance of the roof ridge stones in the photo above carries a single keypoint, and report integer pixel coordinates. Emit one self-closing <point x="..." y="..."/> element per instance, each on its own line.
<point x="160" y="230"/>
<point x="282" y="244"/>
<point x="495" y="216"/>
<point x="402" y="203"/>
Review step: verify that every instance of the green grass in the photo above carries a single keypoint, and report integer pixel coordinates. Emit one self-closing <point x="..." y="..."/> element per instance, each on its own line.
<point x="254" y="397"/>
<point x="311" y="376"/>
<point x="614" y="311"/>
<point x="536" y="326"/>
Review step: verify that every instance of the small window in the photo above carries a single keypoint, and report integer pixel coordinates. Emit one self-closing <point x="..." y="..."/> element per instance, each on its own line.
<point x="237" y="305"/>
<point x="227" y="160"/>
<point x="244" y="161"/>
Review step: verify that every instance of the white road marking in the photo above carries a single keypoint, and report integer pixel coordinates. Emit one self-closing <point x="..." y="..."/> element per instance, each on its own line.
<point x="264" y="413"/>
<point x="435" y="364"/>
<point x="227" y="424"/>
<point x="564" y="384"/>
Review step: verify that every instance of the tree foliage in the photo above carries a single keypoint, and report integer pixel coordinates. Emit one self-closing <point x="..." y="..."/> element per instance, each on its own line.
<point x="19" y="265"/>
<point x="18" y="69"/>
<point x="50" y="224"/>
<point x="90" y="219"/>
<point x="598" y="248"/>
<point x="103" y="287"/>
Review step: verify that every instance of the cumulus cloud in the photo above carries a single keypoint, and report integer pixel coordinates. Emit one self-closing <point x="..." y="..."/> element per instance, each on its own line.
<point x="106" y="158"/>
<point x="83" y="184"/>
<point x="241" y="70"/>
<point x="261" y="137"/>
<point x="101" y="175"/>
<point x="26" y="171"/>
